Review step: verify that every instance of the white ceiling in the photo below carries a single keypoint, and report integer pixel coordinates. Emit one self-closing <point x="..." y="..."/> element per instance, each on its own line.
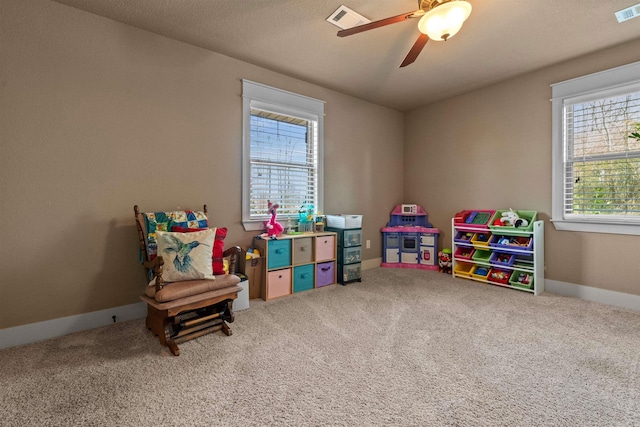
<point x="501" y="39"/>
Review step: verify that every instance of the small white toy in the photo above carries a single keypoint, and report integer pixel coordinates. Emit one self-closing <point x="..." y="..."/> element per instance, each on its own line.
<point x="513" y="219"/>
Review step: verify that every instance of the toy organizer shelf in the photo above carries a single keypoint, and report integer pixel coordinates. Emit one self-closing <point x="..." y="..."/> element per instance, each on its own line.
<point x="295" y="263"/>
<point x="502" y="256"/>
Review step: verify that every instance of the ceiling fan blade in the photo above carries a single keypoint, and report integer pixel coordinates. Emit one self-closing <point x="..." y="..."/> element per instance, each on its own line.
<point x="415" y="50"/>
<point x="376" y="24"/>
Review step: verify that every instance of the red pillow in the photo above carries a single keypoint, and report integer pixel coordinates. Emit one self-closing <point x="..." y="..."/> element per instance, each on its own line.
<point x="218" y="246"/>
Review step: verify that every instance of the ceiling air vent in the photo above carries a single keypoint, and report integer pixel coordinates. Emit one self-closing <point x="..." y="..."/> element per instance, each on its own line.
<point x="346" y="18"/>
<point x="628" y="13"/>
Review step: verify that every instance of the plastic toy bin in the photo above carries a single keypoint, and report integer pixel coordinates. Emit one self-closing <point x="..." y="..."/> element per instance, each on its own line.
<point x="481" y="238"/>
<point x="463" y="237"/>
<point x="521" y="279"/>
<point x="463" y="253"/>
<point x="530" y="216"/>
<point x="474" y="218"/>
<point x="502" y="258"/>
<point x="480" y="272"/>
<point x="344" y="221"/>
<point x="523" y="261"/>
<point x="463" y="269"/>
<point x="481" y="255"/>
<point x="498" y="275"/>
<point x="524" y="243"/>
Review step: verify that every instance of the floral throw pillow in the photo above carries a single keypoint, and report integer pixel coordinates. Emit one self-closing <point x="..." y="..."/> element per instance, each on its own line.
<point x="187" y="256"/>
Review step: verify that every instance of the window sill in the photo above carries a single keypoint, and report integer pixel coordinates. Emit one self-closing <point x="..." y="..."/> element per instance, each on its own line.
<point x="590" y="227"/>
<point x="253" y="225"/>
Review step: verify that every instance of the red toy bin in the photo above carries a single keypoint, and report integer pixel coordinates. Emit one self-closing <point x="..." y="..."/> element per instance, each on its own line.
<point x="463" y="253"/>
<point x="475" y="219"/>
<point x="502" y="258"/>
<point x="498" y="275"/>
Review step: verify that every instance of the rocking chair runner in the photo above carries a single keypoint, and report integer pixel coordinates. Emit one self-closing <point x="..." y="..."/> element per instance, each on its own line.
<point x="184" y="310"/>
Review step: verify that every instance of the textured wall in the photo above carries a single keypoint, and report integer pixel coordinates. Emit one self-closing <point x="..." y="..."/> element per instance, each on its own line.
<point x="491" y="148"/>
<point x="98" y="116"/>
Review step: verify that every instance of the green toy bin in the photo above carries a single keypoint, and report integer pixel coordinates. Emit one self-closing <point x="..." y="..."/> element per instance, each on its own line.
<point x="481" y="255"/>
<point x="530" y="216"/>
<point x="521" y="279"/>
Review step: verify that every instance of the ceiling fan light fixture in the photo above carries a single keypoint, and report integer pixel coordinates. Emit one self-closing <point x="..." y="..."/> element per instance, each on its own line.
<point x="444" y="20"/>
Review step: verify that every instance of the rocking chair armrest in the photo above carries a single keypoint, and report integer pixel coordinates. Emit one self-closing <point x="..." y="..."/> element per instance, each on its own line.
<point x="155" y="265"/>
<point x="234" y="253"/>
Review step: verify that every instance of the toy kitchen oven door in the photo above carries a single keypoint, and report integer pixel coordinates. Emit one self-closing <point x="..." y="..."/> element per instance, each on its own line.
<point x="409" y="248"/>
<point x="418" y="248"/>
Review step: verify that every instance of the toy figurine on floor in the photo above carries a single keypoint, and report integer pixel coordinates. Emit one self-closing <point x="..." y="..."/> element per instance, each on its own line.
<point x="444" y="261"/>
<point x="274" y="228"/>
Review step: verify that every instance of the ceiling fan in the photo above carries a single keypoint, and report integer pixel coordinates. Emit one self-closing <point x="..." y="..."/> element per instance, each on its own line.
<point x="439" y="20"/>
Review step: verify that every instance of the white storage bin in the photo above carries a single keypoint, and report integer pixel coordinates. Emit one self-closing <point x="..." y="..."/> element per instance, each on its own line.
<point x="344" y="221"/>
<point x="242" y="302"/>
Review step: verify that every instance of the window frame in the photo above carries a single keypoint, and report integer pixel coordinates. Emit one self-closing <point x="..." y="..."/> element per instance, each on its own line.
<point x="263" y="97"/>
<point x="613" y="81"/>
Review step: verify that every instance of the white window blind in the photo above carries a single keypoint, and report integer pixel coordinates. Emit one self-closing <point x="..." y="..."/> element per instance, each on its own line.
<point x="602" y="163"/>
<point x="284" y="167"/>
<point x="282" y="153"/>
<point x="596" y="158"/>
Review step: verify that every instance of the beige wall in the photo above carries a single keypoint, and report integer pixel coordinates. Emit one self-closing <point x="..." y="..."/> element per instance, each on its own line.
<point x="491" y="149"/>
<point x="98" y="116"/>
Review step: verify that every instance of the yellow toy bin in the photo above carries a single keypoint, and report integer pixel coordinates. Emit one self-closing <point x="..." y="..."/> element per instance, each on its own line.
<point x="463" y="269"/>
<point x="481" y="238"/>
<point x="480" y="272"/>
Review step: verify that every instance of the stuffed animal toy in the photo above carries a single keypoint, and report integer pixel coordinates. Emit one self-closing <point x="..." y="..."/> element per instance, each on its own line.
<point x="274" y="228"/>
<point x="444" y="261"/>
<point x="513" y="219"/>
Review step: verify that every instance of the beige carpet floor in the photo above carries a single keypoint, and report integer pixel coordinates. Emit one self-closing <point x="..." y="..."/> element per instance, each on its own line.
<point x="402" y="348"/>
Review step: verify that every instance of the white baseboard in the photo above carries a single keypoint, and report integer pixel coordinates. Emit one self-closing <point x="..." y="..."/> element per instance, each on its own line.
<point x="26" y="334"/>
<point x="33" y="332"/>
<point x="588" y="293"/>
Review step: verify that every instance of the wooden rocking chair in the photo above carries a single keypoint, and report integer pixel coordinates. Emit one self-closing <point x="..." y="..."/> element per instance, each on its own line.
<point x="183" y="310"/>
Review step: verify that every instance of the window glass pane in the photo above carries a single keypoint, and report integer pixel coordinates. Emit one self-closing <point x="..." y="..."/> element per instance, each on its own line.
<point x="283" y="163"/>
<point x="602" y="162"/>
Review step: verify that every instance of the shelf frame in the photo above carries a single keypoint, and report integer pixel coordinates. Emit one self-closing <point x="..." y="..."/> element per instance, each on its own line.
<point x="537" y="252"/>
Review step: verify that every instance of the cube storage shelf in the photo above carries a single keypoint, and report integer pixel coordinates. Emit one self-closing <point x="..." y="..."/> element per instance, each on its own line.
<point x="296" y="263"/>
<point x="502" y="256"/>
<point x="349" y="254"/>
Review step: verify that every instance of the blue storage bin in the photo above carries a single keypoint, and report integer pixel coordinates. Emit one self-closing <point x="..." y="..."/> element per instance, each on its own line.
<point x="279" y="253"/>
<point x="303" y="278"/>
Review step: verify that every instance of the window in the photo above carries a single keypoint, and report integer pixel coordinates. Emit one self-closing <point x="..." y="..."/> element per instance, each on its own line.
<point x="282" y="153"/>
<point x="596" y="152"/>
